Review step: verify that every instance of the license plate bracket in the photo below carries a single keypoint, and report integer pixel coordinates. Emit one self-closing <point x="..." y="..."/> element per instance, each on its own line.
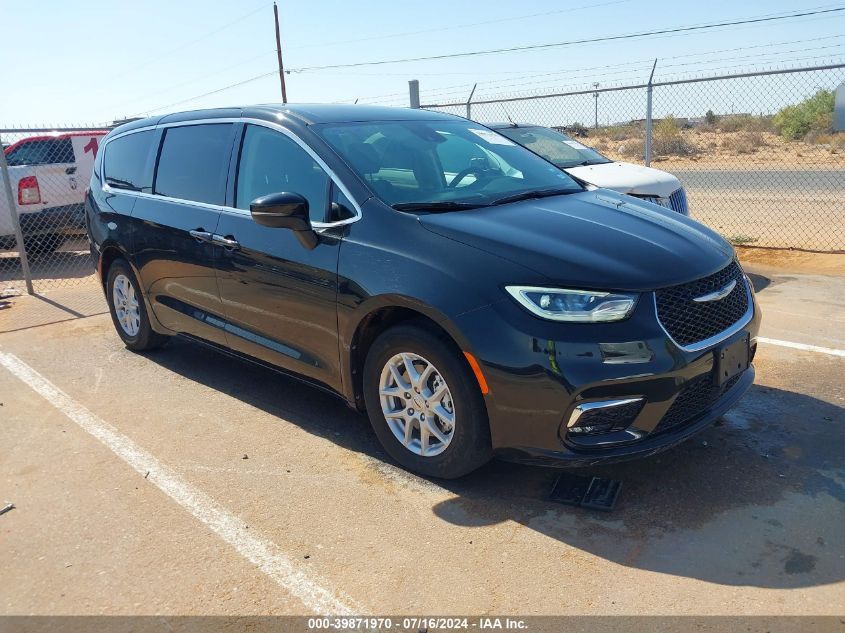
<point x="731" y="359"/>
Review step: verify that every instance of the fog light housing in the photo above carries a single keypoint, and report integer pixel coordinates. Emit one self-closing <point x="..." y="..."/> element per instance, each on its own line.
<point x="604" y="416"/>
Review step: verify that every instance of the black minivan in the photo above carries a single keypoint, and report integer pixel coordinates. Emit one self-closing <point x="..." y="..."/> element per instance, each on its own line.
<point x="472" y="298"/>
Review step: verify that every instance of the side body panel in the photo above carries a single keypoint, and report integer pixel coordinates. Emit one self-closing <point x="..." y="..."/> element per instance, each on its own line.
<point x="279" y="298"/>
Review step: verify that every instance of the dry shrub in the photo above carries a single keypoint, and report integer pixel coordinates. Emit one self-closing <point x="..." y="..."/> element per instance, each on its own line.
<point x="745" y="142"/>
<point x="617" y="132"/>
<point x="668" y="140"/>
<point x="836" y="140"/>
<point x="746" y="123"/>
<point x="634" y="147"/>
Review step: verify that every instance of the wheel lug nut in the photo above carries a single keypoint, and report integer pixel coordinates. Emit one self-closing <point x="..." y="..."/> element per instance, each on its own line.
<point x="407" y="395"/>
<point x="410" y="412"/>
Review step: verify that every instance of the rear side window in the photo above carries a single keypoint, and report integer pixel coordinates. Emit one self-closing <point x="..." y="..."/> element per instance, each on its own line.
<point x="193" y="162"/>
<point x="43" y="152"/>
<point x="125" y="162"/>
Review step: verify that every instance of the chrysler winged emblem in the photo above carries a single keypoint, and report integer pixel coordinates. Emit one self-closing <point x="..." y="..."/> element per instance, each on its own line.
<point x="719" y="294"/>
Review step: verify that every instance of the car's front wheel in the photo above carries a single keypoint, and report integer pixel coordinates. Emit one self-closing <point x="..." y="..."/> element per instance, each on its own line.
<point x="128" y="311"/>
<point x="425" y="404"/>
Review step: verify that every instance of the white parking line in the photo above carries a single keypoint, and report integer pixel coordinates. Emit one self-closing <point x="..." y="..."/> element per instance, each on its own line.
<point x="802" y="346"/>
<point x="266" y="555"/>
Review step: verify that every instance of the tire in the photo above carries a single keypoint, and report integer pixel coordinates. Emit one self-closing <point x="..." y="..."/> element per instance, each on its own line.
<point x="468" y="445"/>
<point x="128" y="312"/>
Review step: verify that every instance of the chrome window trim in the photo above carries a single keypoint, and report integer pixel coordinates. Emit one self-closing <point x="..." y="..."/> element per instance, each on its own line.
<point x="318" y="226"/>
<point x="744" y="320"/>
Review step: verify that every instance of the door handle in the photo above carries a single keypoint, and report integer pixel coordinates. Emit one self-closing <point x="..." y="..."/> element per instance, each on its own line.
<point x="225" y="242"/>
<point x="201" y="236"/>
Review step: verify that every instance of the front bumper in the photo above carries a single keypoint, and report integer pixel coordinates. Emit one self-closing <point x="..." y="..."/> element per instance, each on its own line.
<point x="538" y="372"/>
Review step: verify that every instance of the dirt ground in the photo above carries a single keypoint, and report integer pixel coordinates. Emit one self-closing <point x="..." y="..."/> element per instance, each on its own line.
<point x="737" y="150"/>
<point x="785" y="261"/>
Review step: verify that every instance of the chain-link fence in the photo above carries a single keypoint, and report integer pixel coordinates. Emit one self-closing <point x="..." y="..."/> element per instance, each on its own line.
<point x="45" y="173"/>
<point x="756" y="152"/>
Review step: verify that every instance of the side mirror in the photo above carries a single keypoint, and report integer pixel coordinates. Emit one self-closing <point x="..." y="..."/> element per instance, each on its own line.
<point x="285" y="210"/>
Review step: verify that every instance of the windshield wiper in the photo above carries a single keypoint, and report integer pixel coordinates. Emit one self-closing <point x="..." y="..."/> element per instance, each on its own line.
<point x="594" y="161"/>
<point x="437" y="205"/>
<point x="530" y="195"/>
<point x="121" y="184"/>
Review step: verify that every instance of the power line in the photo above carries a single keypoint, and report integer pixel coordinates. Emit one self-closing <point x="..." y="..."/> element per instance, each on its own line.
<point x="190" y="43"/>
<point x="459" y="26"/>
<point x="608" y="38"/>
<point x="217" y="72"/>
<point x="585" y="89"/>
<point x="664" y="32"/>
<point x="445" y="90"/>
<point x="702" y="63"/>
<point x="463" y="87"/>
<point x="208" y="94"/>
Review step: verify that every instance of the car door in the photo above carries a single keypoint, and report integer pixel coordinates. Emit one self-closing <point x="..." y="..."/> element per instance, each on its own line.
<point x="57" y="175"/>
<point x="173" y="228"/>
<point x="280" y="297"/>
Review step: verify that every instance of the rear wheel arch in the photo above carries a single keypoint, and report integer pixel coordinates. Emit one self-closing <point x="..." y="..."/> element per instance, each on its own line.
<point x="107" y="257"/>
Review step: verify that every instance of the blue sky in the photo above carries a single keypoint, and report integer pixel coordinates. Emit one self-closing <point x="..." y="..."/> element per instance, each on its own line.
<point x="93" y="61"/>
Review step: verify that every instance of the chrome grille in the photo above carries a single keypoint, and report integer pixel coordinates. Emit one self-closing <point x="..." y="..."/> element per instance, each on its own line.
<point x="689" y="322"/>
<point x="678" y="201"/>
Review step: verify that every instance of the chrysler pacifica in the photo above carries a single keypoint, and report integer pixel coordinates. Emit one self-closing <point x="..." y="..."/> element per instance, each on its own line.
<point x="470" y="297"/>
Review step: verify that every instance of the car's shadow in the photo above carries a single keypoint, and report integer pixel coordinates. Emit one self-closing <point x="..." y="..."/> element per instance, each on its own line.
<point x="755" y="500"/>
<point x="62" y="264"/>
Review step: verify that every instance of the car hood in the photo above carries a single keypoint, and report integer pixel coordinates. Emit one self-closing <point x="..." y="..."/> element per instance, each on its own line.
<point x="627" y="178"/>
<point x="592" y="239"/>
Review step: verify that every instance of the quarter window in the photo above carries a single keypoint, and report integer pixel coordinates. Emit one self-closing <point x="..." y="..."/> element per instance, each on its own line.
<point x="125" y="162"/>
<point x="193" y="162"/>
<point x="271" y="162"/>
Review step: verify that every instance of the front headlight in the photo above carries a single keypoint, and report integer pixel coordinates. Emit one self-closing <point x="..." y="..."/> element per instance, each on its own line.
<point x="663" y="202"/>
<point x="581" y="306"/>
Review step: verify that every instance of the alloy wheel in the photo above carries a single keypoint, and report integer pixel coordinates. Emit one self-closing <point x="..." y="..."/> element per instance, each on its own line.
<point x="417" y="404"/>
<point x="126" y="306"/>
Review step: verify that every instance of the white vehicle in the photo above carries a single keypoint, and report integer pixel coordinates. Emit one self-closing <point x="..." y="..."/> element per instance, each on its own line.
<point x="586" y="164"/>
<point x="48" y="175"/>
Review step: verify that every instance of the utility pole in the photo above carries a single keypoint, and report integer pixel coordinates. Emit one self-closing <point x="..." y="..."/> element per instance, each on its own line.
<point x="279" y="52"/>
<point x="596" y="95"/>
<point x="414" y="93"/>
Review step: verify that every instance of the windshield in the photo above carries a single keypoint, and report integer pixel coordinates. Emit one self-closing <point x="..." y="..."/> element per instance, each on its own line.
<point x="448" y="164"/>
<point x="554" y="146"/>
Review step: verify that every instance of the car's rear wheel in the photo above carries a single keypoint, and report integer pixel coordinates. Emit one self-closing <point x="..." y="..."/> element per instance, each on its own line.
<point x="128" y="311"/>
<point x="425" y="404"/>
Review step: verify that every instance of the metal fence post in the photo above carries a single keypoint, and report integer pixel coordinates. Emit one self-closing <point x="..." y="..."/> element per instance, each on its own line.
<point x="13" y="214"/>
<point x="648" y="121"/>
<point x="414" y="93"/>
<point x="469" y="101"/>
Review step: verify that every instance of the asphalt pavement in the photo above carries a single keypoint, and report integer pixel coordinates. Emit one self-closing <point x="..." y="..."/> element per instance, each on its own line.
<point x="186" y="482"/>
